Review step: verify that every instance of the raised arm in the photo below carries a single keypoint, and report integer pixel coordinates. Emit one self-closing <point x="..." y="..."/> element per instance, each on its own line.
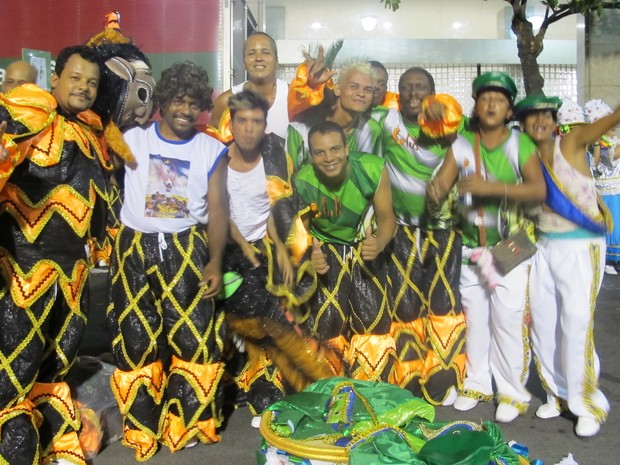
<point x="574" y="144"/>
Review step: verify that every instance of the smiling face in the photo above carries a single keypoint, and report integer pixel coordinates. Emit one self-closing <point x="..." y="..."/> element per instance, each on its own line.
<point x="493" y="109"/>
<point x="539" y="125"/>
<point x="75" y="89"/>
<point x="330" y="157"/>
<point x="179" y="118"/>
<point x="260" y="58"/>
<point x="248" y="128"/>
<point x="355" y="91"/>
<point x="413" y="88"/>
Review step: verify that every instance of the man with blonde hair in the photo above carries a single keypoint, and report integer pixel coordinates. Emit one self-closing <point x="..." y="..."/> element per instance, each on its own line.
<point x="352" y="96"/>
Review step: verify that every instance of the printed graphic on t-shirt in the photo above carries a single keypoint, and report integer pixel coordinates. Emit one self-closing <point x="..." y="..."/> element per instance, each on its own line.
<point x="166" y="190"/>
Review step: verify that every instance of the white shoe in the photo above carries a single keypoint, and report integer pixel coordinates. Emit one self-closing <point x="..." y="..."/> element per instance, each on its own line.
<point x="548" y="410"/>
<point x="506" y="412"/>
<point x="587" y="427"/>
<point x="256" y="422"/>
<point x="609" y="269"/>
<point x="464" y="403"/>
<point x="451" y="396"/>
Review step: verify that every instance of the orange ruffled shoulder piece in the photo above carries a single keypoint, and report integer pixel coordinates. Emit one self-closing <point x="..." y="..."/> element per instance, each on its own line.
<point x="31" y="106"/>
<point x="452" y="116"/>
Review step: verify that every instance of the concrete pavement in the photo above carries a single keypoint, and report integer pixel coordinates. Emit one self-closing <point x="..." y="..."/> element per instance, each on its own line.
<point x="547" y="440"/>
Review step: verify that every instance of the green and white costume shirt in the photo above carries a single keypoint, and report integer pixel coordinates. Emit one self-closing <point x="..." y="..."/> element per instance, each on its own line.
<point x="341" y="211"/>
<point x="501" y="164"/>
<point x="365" y="138"/>
<point x="410" y="167"/>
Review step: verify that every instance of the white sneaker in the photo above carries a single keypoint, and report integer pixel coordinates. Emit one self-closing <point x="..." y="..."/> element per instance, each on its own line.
<point x="506" y="412"/>
<point x="451" y="396"/>
<point x="256" y="422"/>
<point x="464" y="403"/>
<point x="610" y="270"/>
<point x="587" y="427"/>
<point x="548" y="410"/>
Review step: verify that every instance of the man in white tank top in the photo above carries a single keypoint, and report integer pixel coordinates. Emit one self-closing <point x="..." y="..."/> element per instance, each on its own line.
<point x="260" y="58"/>
<point x="166" y="329"/>
<point x="280" y="360"/>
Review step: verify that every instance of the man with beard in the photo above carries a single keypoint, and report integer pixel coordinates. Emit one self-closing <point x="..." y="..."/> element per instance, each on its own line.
<point x="52" y="171"/>
<point x="167" y="332"/>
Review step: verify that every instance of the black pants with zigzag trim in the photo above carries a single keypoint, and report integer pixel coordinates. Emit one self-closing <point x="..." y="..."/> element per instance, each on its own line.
<point x="156" y="311"/>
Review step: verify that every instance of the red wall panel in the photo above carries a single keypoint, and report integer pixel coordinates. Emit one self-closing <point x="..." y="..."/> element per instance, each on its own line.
<point x="157" y="26"/>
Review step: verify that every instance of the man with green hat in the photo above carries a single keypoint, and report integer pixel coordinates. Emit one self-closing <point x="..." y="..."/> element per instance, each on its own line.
<point x="496" y="165"/>
<point x="572" y="227"/>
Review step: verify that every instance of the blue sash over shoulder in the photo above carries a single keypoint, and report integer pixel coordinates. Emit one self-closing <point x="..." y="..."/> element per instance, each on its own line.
<point x="563" y="206"/>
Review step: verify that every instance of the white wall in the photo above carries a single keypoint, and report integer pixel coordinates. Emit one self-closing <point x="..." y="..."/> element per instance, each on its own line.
<point x="415" y="19"/>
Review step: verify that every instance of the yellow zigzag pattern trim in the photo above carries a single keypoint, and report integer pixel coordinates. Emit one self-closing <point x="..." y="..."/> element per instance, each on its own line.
<point x="63" y="200"/>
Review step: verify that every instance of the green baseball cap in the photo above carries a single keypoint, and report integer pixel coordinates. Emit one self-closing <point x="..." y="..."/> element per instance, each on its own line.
<point x="494" y="80"/>
<point x="537" y="103"/>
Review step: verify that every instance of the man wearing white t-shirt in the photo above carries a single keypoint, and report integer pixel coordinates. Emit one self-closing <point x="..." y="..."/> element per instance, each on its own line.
<point x="167" y="331"/>
<point x="280" y="359"/>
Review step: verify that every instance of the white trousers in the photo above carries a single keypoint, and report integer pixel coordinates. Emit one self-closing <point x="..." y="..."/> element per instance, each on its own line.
<point x="497" y="344"/>
<point x="565" y="279"/>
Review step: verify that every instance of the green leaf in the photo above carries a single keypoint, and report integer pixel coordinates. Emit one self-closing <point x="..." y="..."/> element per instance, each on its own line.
<point x="392" y="4"/>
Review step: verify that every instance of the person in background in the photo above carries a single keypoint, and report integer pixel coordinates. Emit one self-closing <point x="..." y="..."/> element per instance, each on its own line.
<point x="605" y="167"/>
<point x="260" y="59"/>
<point x="382" y="96"/>
<point x="166" y="270"/>
<point x="572" y="227"/>
<point x="18" y="73"/>
<point x="494" y="164"/>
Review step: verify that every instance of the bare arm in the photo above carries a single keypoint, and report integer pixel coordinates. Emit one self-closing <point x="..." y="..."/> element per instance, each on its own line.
<point x="217" y="229"/>
<point x="439" y="187"/>
<point x="244" y="245"/>
<point x="532" y="189"/>
<point x="386" y="220"/>
<point x="575" y="143"/>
